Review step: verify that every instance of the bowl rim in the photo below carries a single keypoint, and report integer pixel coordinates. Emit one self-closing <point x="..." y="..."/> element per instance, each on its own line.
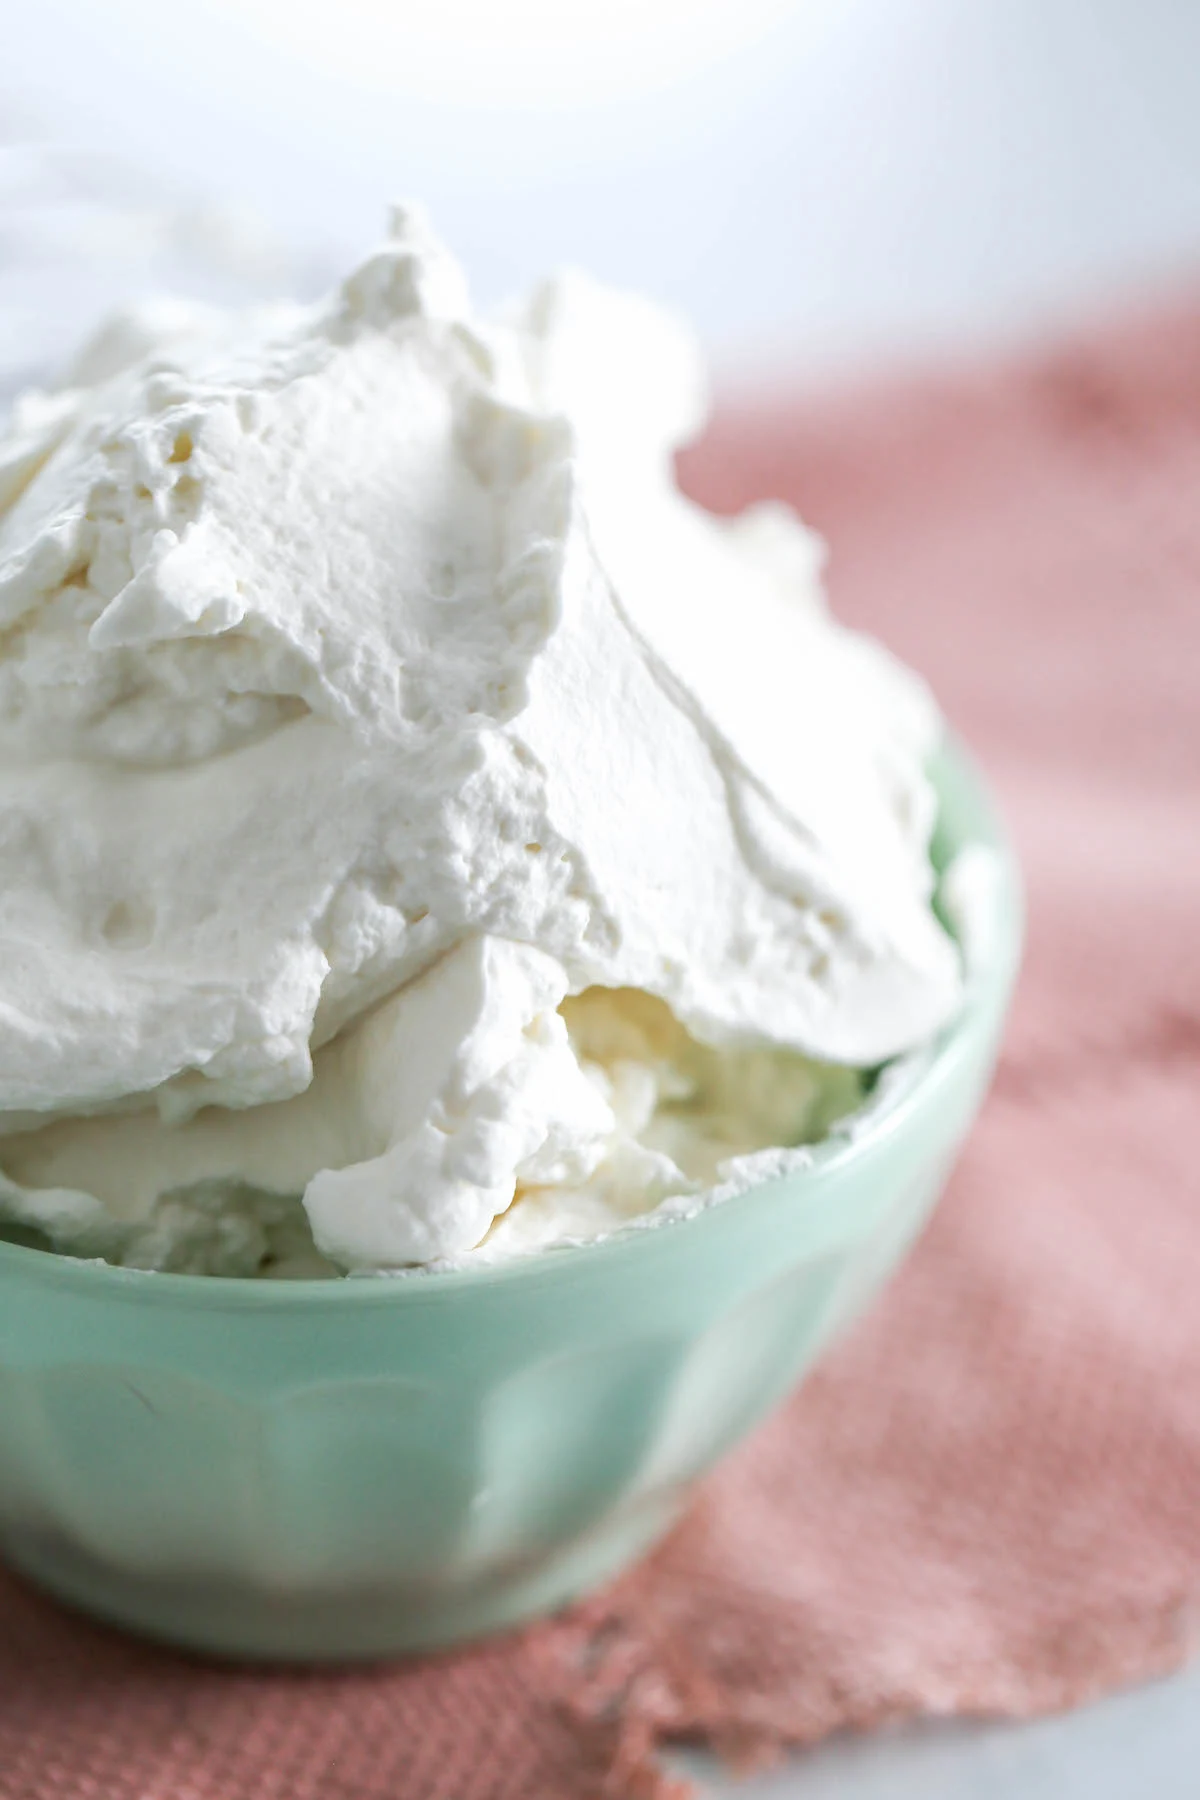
<point x="968" y="815"/>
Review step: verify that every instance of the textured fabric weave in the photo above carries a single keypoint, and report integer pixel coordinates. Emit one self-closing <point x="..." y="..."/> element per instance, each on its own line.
<point x="988" y="1499"/>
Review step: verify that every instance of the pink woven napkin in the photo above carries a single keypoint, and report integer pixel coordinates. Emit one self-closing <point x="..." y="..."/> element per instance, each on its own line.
<point x="989" y="1498"/>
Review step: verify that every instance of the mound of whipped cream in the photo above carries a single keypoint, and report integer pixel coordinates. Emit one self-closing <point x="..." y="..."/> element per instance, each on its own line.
<point x="423" y="833"/>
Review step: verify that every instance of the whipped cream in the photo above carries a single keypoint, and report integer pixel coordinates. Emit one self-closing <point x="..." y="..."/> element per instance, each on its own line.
<point x="393" y="764"/>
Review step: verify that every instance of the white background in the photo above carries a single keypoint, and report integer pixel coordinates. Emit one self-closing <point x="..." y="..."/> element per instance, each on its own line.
<point x="820" y="184"/>
<point x="818" y="181"/>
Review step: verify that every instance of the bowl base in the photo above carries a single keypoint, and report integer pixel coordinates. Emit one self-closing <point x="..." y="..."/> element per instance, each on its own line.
<point x="349" y="1624"/>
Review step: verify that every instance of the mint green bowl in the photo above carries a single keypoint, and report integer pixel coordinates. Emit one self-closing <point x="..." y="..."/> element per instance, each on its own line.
<point x="347" y="1469"/>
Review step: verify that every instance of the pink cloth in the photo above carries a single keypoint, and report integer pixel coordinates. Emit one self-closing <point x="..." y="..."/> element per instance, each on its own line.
<point x="988" y="1500"/>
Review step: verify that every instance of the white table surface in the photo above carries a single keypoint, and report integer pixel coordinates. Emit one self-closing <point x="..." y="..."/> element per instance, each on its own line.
<point x="1141" y="1745"/>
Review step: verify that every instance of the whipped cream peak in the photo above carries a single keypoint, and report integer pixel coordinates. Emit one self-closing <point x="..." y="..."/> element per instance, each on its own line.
<point x="411" y="275"/>
<point x="362" y="652"/>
